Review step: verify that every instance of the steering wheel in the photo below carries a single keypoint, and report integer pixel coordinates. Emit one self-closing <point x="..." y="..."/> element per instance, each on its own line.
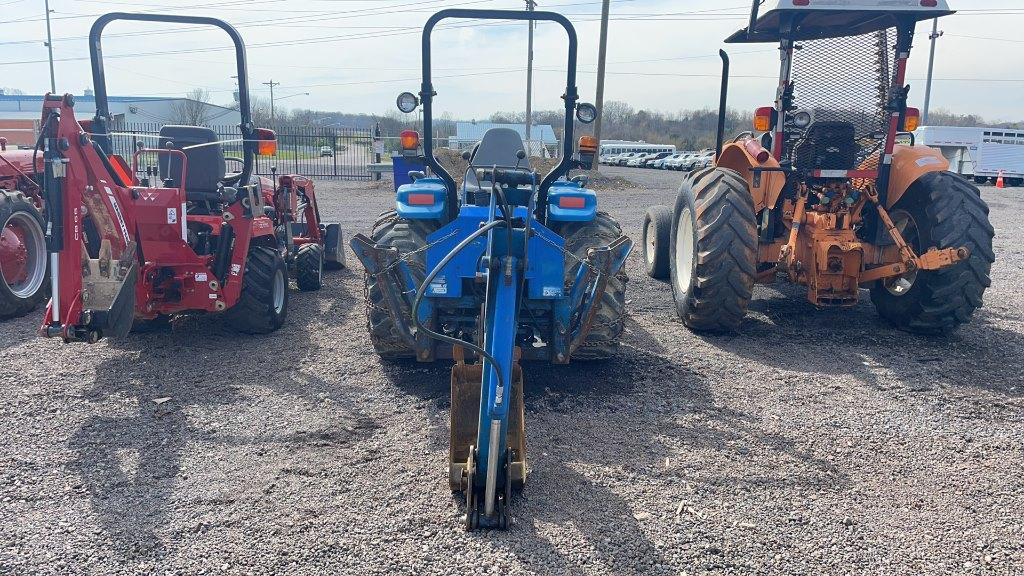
<point x="743" y="136"/>
<point x="235" y="159"/>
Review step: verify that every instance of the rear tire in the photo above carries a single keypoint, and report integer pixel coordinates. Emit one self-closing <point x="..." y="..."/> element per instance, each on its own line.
<point x="656" y="237"/>
<point x="407" y="236"/>
<point x="713" y="250"/>
<point x="309" y="267"/>
<point x="947" y="212"/>
<point x="22" y="256"/>
<point x="263" y="304"/>
<point x="603" y="339"/>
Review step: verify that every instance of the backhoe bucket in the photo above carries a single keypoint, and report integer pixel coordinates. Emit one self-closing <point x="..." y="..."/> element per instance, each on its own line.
<point x="465" y="417"/>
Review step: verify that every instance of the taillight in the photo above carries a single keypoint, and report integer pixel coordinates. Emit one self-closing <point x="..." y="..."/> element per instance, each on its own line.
<point x="801" y="2"/>
<point x="266" y="142"/>
<point x="420" y="200"/>
<point x="763" y="119"/>
<point x="410" y="140"/>
<point x="572" y="202"/>
<point x="911" y="120"/>
<point x="929" y="3"/>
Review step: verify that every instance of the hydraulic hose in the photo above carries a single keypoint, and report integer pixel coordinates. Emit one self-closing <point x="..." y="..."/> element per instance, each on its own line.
<point x="430" y="277"/>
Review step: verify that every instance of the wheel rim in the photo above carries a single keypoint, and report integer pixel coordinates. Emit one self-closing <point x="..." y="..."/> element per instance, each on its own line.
<point x="684" y="251"/>
<point x="279" y="288"/>
<point x="650" y="241"/>
<point x="22" y="254"/>
<point x="904" y="222"/>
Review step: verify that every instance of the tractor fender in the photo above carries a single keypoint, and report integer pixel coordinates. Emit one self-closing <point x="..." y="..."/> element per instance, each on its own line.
<point x="910" y="163"/>
<point x="735" y="156"/>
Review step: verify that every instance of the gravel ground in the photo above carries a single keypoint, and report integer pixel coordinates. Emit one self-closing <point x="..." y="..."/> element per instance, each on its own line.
<point x="813" y="442"/>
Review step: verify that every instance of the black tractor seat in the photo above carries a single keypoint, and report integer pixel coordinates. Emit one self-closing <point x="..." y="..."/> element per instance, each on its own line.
<point x="498" y="147"/>
<point x="206" y="165"/>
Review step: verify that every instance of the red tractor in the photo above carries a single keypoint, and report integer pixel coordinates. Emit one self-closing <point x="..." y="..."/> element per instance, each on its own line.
<point x="187" y="236"/>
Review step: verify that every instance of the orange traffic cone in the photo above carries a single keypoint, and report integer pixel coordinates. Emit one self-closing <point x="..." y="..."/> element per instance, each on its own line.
<point x="999" y="180"/>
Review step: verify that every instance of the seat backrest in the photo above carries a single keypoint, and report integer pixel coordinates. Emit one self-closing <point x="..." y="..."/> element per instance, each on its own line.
<point x="498" y="147"/>
<point x="206" y="166"/>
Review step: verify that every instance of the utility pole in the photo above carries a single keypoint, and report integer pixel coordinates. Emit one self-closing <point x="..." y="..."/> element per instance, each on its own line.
<point x="931" y="64"/>
<point x="529" y="78"/>
<point x="49" y="46"/>
<point x="602" y="54"/>
<point x="272" y="84"/>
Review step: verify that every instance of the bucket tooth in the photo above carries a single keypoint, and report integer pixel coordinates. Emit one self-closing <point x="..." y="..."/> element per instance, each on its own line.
<point x="465" y="419"/>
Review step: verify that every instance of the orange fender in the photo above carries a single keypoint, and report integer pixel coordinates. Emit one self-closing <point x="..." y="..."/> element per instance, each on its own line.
<point x="910" y="163"/>
<point x="736" y="157"/>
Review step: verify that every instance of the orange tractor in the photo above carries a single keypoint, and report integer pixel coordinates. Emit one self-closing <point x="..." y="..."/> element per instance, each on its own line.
<point x="821" y="192"/>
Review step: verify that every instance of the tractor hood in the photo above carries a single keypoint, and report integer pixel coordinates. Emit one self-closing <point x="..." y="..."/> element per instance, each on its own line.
<point x="835" y="18"/>
<point x="15" y="161"/>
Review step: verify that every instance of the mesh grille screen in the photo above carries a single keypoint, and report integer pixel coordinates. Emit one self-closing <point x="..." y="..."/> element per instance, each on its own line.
<point x="847" y="80"/>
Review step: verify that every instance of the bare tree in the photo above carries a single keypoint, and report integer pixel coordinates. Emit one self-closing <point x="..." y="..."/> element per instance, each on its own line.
<point x="194" y="110"/>
<point x="260" y="108"/>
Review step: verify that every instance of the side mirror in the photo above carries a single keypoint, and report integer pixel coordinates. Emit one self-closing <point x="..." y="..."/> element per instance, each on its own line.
<point x="266" y="142"/>
<point x="521" y="154"/>
<point x="466" y="154"/>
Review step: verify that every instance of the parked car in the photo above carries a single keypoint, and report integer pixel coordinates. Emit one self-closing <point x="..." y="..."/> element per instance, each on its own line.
<point x="674" y="162"/>
<point x="704" y="160"/>
<point x="326" y="151"/>
<point x="638" y="160"/>
<point x="621" y="159"/>
<point x="659" y="164"/>
<point x="650" y="159"/>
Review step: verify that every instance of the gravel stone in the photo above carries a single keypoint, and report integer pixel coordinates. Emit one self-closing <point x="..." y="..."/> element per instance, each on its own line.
<point x="300" y="452"/>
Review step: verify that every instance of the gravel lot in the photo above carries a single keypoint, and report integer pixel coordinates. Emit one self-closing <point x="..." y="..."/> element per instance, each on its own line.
<point x="814" y="442"/>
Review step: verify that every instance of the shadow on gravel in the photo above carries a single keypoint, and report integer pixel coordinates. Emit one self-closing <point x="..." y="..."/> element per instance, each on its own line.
<point x="785" y="331"/>
<point x="129" y="463"/>
<point x="594" y="428"/>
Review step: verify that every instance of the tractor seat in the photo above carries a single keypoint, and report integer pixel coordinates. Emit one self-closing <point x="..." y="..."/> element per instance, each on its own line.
<point x="206" y="166"/>
<point x="498" y="147"/>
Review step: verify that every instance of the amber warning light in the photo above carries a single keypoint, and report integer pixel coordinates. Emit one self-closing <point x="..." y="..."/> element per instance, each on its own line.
<point x="410" y="140"/>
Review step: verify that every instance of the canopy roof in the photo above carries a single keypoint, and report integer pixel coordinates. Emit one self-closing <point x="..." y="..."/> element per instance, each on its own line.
<point x="833" y="18"/>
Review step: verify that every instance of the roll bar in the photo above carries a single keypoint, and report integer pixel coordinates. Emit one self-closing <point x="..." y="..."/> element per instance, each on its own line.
<point x="99" y="80"/>
<point x="427" y="92"/>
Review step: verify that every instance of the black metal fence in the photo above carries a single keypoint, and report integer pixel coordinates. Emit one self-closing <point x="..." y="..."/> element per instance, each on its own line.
<point x="342" y="153"/>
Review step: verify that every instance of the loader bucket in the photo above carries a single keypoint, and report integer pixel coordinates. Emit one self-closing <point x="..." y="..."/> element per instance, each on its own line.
<point x="465" y="417"/>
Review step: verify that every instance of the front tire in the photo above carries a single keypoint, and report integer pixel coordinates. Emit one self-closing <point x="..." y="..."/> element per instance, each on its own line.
<point x="409" y="237"/>
<point x="602" y="341"/>
<point x="23" y="258"/>
<point x="263" y="304"/>
<point x="309" y="267"/>
<point x="656" y="237"/>
<point x="713" y="250"/>
<point x="940" y="210"/>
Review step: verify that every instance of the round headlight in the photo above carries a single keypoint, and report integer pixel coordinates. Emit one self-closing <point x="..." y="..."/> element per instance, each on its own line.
<point x="802" y="119"/>
<point x="586" y="113"/>
<point x="407" y="102"/>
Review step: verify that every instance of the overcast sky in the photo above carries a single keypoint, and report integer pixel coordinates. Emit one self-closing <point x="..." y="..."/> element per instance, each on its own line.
<point x="356" y="55"/>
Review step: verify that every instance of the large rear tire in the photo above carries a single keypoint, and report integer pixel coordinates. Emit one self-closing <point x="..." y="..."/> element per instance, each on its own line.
<point x="409" y="237"/>
<point x="23" y="259"/>
<point x="656" y="238"/>
<point x="714" y="250"/>
<point x="940" y="210"/>
<point x="263" y="304"/>
<point x="603" y="339"/>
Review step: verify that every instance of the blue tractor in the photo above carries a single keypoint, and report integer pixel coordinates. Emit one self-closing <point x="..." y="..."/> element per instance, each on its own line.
<point x="507" y="266"/>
